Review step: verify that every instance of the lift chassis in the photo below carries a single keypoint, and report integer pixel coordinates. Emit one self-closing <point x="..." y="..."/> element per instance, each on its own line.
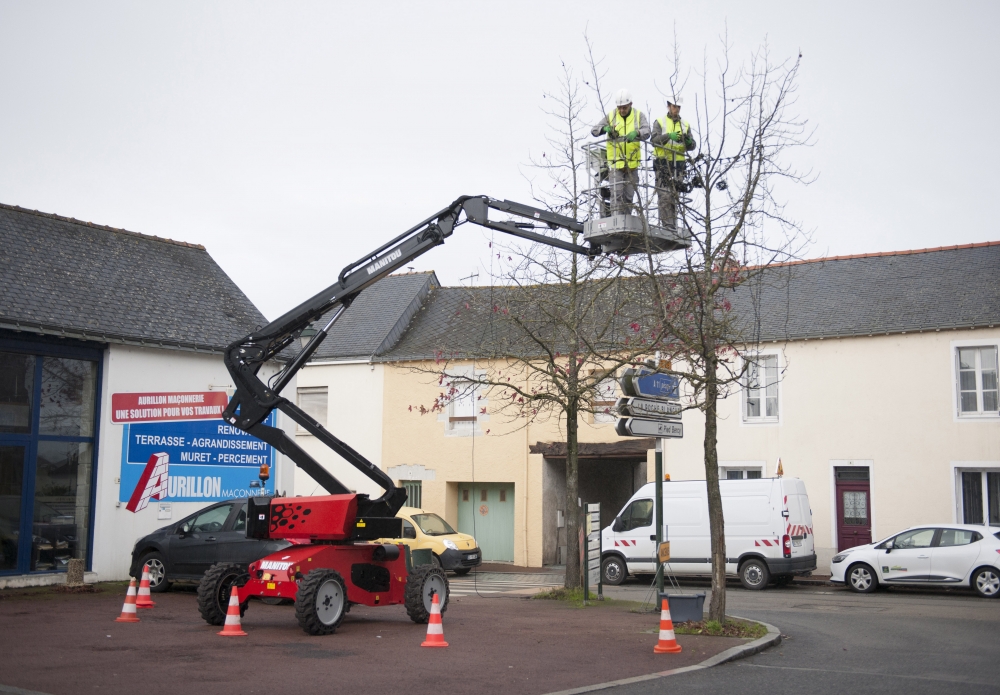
<point x="335" y="562"/>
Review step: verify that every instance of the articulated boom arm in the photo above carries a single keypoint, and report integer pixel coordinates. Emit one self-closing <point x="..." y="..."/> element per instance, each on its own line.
<point x="254" y="400"/>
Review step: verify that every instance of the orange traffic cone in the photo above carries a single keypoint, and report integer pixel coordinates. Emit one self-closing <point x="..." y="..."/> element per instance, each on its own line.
<point x="668" y="643"/>
<point x="232" y="626"/>
<point x="144" y="600"/>
<point x="128" y="610"/>
<point x="435" y="629"/>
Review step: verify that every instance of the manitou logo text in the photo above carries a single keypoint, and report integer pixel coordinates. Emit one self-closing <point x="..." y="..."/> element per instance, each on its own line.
<point x="154" y="483"/>
<point x="383" y="262"/>
<point x="275" y="565"/>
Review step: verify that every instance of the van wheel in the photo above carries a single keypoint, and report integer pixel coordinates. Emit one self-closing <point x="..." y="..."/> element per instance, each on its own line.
<point x="754" y="574"/>
<point x="613" y="570"/>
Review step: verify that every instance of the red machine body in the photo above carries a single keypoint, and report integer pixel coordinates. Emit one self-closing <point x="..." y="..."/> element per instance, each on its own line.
<point x="322" y="518"/>
<point x="368" y="581"/>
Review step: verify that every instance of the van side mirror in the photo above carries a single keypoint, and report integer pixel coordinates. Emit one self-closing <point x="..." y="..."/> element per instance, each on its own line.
<point x="618" y="526"/>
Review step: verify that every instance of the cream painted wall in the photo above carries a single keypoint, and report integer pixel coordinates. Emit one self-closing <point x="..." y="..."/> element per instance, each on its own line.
<point x="889" y="400"/>
<point x="136" y="369"/>
<point x="354" y="414"/>
<point x="498" y="453"/>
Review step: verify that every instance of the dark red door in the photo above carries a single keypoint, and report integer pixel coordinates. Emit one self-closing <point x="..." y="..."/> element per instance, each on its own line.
<point x="854" y="523"/>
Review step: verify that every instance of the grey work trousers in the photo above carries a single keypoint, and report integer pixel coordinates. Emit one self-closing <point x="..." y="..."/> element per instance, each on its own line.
<point x="669" y="175"/>
<point x="623" y="183"/>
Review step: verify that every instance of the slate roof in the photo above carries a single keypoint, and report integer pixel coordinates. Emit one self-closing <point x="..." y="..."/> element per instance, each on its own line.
<point x="61" y="276"/>
<point x="875" y="294"/>
<point x="376" y="320"/>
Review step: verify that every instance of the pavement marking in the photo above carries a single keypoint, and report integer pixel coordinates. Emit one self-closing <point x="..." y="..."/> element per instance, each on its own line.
<point x="772" y="638"/>
<point x="523" y="584"/>
<point x="945" y="679"/>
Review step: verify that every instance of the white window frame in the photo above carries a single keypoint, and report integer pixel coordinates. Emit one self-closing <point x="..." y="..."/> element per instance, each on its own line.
<point x="611" y="416"/>
<point x="979" y="416"/>
<point x="454" y="422"/>
<point x="747" y="419"/>
<point x="726" y="466"/>
<point x="957" y="469"/>
<point x="312" y="390"/>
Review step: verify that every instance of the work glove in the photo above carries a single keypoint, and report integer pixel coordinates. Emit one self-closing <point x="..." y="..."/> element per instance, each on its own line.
<point x="631" y="136"/>
<point x="674" y="135"/>
<point x="611" y="132"/>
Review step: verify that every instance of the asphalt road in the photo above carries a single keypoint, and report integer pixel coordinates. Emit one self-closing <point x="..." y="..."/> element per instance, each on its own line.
<point x="837" y="642"/>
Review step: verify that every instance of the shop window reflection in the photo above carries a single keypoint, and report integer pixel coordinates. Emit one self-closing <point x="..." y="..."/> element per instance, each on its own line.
<point x="61" y="504"/>
<point x="67" y="397"/>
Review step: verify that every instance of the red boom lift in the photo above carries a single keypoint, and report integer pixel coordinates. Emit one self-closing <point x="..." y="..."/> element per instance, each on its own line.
<point x="336" y="564"/>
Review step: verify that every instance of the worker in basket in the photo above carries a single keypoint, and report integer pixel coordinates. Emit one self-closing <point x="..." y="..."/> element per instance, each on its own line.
<point x="625" y="128"/>
<point x="672" y="140"/>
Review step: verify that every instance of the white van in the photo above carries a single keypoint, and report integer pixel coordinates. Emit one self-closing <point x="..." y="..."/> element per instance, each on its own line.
<point x="769" y="531"/>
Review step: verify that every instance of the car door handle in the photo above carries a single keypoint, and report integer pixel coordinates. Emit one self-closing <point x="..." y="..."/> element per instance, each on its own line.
<point x="653" y="537"/>
<point x="922" y="557"/>
<point x="210" y="538"/>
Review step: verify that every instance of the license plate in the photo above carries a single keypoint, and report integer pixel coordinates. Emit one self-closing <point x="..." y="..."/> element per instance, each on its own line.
<point x="796" y="543"/>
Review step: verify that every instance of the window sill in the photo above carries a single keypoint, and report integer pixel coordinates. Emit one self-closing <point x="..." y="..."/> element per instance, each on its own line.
<point x="980" y="417"/>
<point x="762" y="421"/>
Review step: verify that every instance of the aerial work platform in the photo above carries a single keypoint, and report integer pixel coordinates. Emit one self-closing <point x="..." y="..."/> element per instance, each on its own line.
<point x="630" y="234"/>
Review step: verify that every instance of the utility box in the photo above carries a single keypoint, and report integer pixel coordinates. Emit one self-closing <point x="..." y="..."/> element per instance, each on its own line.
<point x="628" y="234"/>
<point x="685" y="607"/>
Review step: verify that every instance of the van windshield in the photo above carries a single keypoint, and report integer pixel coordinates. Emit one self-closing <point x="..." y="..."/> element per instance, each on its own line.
<point x="432" y="524"/>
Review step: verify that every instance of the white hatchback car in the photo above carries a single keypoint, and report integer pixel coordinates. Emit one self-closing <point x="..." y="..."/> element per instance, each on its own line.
<point x="938" y="555"/>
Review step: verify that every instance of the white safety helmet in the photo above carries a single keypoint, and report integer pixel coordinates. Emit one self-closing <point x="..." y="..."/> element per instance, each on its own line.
<point x="623" y="97"/>
<point x="675" y="101"/>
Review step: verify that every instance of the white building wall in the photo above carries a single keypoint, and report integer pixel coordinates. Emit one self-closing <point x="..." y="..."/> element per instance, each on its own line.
<point x="136" y="370"/>
<point x="887" y="402"/>
<point x="354" y="415"/>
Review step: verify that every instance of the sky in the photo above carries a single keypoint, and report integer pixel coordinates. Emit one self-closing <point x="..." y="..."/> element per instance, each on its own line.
<point x="291" y="139"/>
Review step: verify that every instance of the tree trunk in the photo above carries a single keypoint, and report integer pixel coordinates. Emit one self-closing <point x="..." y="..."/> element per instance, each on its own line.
<point x="573" y="579"/>
<point x="717" y="607"/>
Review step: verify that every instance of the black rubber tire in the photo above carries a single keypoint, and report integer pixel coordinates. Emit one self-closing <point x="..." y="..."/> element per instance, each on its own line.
<point x="157" y="572"/>
<point x="754" y="574"/>
<point x="418" y="605"/>
<point x="311" y="590"/>
<point x="613" y="570"/>
<point x="436" y="561"/>
<point x="462" y="571"/>
<point x="213" y="592"/>
<point x="986" y="582"/>
<point x="860" y="578"/>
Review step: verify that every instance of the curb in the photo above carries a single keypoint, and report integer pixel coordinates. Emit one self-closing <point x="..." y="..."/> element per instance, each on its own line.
<point x="772" y="638"/>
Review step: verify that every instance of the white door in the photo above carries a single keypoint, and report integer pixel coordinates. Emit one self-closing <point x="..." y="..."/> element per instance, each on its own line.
<point x="909" y="559"/>
<point x="953" y="557"/>
<point x="634" y="540"/>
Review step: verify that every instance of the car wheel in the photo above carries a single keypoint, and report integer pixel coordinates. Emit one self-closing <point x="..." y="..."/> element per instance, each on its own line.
<point x="754" y="574"/>
<point x="423" y="583"/>
<point x="986" y="582"/>
<point x="462" y="571"/>
<point x="861" y="578"/>
<point x="435" y="561"/>
<point x="157" y="572"/>
<point x="321" y="602"/>
<point x="613" y="570"/>
<point x="214" y="590"/>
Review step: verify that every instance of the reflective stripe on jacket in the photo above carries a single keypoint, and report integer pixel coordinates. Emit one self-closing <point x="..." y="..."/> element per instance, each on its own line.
<point x="672" y="151"/>
<point x="623" y="154"/>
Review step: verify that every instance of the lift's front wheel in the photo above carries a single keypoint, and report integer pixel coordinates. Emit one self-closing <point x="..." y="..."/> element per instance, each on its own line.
<point x="423" y="583"/>
<point x="321" y="602"/>
<point x="214" y="590"/>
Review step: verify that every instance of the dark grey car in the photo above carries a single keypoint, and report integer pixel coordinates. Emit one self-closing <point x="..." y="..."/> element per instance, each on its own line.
<point x="183" y="550"/>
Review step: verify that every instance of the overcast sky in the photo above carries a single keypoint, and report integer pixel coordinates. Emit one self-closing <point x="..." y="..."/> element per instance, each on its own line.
<point x="292" y="138"/>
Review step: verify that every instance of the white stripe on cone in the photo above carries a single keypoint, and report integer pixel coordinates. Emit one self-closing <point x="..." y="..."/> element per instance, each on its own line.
<point x="231" y="617"/>
<point x="435" y="629"/>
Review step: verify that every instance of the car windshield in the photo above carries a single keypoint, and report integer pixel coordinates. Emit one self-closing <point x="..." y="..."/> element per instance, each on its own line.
<point x="432" y="524"/>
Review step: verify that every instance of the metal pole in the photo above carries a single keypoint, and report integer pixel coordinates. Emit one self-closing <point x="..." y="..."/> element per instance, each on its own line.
<point x="659" y="514"/>
<point x="586" y="557"/>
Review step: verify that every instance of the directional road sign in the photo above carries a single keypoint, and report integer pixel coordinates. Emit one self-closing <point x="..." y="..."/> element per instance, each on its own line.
<point x="647" y="408"/>
<point x="650" y="385"/>
<point x="638" y="427"/>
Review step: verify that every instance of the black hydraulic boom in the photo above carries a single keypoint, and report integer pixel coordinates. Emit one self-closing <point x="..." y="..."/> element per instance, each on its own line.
<point x="254" y="400"/>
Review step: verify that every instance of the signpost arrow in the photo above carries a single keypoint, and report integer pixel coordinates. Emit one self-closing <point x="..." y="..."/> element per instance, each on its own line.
<point x="637" y="427"/>
<point x="642" y="407"/>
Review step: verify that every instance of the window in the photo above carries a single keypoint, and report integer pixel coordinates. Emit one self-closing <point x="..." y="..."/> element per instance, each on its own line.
<point x="465" y="495"/>
<point x="760" y="395"/>
<point x="977" y="381"/>
<point x="313" y="400"/>
<point x="637" y="515"/>
<point x="241" y="520"/>
<point x="503" y="495"/>
<point x="605" y="398"/>
<point x="921" y="538"/>
<point x="465" y="405"/>
<point x="408" y="530"/>
<point x="211" y="520"/>
<point x="432" y="524"/>
<point x="730" y="473"/>
<point x="981" y="497"/>
<point x="414" y="492"/>
<point x="952" y="536"/>
<point x="483" y="495"/>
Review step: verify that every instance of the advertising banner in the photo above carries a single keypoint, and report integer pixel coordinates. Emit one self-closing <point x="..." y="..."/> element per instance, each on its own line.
<point x="194" y="460"/>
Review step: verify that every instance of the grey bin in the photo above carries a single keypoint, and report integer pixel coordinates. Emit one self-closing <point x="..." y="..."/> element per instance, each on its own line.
<point x="685" y="607"/>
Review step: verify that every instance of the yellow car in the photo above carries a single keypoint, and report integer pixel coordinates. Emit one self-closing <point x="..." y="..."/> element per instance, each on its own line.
<point x="453" y="551"/>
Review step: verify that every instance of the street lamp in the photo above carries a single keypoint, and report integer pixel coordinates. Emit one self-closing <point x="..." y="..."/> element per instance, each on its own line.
<point x="307" y="334"/>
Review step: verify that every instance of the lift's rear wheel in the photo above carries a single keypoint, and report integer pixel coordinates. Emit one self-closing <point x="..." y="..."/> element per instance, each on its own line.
<point x="321" y="602"/>
<point x="423" y="583"/>
<point x="214" y="590"/>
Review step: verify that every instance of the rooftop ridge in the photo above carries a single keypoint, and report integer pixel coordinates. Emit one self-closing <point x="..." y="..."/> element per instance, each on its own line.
<point x="73" y="220"/>
<point x="878" y="254"/>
